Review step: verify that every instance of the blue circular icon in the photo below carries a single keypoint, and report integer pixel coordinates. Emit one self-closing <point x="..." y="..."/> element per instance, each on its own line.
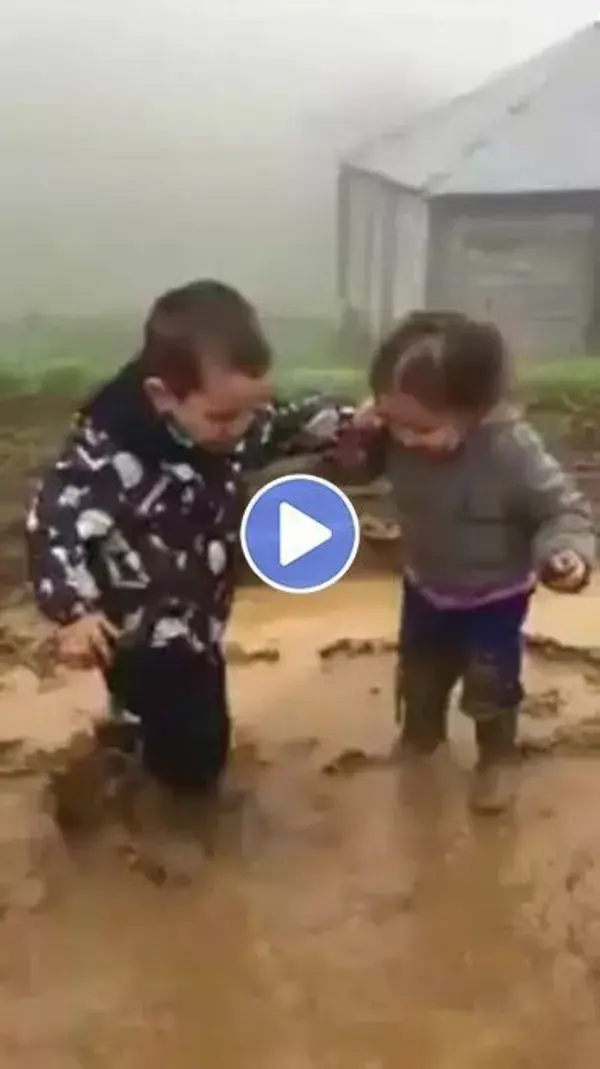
<point x="300" y="534"/>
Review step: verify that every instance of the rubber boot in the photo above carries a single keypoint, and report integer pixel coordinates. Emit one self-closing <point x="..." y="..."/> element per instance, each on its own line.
<point x="424" y="683"/>
<point x="494" y="779"/>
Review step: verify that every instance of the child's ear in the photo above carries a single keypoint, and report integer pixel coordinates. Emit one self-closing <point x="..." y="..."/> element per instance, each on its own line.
<point x="158" y="393"/>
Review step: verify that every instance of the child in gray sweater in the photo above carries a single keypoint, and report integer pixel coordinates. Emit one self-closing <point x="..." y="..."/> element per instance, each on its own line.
<point x="485" y="512"/>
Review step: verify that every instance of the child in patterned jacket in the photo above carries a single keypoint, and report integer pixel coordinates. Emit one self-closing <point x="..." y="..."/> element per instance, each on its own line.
<point x="133" y="531"/>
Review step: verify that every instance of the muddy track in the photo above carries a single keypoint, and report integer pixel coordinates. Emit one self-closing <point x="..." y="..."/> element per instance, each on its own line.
<point x="75" y="772"/>
<point x="351" y="918"/>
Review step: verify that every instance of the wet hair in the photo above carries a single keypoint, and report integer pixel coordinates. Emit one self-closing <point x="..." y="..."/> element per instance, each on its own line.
<point x="445" y="360"/>
<point x="193" y="325"/>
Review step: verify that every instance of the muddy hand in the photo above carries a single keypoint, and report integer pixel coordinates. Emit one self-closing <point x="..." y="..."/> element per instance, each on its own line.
<point x="88" y="642"/>
<point x="565" y="572"/>
<point x="366" y="418"/>
<point x="350" y="450"/>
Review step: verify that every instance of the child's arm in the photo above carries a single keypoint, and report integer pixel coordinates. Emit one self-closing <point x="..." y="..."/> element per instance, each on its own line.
<point x="287" y="429"/>
<point x="559" y="514"/>
<point x="73" y="506"/>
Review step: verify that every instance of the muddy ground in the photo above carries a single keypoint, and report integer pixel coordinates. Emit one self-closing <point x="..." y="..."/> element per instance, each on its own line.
<point x="350" y="915"/>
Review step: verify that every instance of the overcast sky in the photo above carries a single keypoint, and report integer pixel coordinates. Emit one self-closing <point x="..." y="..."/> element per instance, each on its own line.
<point x="144" y="142"/>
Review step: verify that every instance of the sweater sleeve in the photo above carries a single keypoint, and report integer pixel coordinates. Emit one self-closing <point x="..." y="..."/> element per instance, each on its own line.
<point x="73" y="506"/>
<point x="558" y="513"/>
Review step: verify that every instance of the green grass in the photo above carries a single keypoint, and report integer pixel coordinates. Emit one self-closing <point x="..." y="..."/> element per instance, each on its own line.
<point x="59" y="355"/>
<point x="343" y="381"/>
<point x="563" y="385"/>
<point x="584" y="370"/>
<point x="65" y="356"/>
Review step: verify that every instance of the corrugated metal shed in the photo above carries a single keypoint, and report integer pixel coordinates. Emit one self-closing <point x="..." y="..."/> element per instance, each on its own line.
<point x="534" y="129"/>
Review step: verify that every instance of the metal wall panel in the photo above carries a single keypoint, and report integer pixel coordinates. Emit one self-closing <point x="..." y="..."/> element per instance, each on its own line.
<point x="531" y="275"/>
<point x="411" y="235"/>
<point x="384" y="247"/>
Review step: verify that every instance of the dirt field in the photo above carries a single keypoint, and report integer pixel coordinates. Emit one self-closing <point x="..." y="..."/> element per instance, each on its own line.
<point x="352" y="914"/>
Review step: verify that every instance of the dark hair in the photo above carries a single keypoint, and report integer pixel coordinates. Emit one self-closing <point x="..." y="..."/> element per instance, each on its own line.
<point x="202" y="321"/>
<point x="445" y="360"/>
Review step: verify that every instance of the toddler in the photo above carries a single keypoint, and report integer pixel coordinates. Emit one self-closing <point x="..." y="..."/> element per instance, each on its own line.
<point x="485" y="512"/>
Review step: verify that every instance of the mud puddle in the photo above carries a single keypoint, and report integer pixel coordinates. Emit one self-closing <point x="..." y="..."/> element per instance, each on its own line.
<point x="351" y="916"/>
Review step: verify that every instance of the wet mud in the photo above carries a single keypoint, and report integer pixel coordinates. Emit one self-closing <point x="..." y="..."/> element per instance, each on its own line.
<point x="351" y="913"/>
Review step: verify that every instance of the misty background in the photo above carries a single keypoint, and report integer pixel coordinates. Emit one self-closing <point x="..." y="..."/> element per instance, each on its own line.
<point x="146" y="143"/>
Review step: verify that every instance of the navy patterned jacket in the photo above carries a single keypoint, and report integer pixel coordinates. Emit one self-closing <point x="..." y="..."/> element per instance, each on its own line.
<point x="134" y="521"/>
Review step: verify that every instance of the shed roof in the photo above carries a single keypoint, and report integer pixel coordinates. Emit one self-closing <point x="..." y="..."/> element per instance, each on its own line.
<point x="535" y="128"/>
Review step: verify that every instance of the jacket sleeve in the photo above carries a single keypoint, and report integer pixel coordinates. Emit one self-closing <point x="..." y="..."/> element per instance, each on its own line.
<point x="558" y="513"/>
<point x="286" y="429"/>
<point x="73" y="506"/>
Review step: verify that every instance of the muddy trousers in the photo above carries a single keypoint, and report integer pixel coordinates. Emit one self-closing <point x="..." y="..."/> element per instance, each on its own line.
<point x="482" y="647"/>
<point x="179" y="699"/>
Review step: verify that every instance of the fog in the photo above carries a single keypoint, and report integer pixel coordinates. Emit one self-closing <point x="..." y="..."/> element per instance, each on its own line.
<point x="147" y="142"/>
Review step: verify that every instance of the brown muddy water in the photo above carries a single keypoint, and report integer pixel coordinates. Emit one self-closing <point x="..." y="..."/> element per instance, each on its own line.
<point x="353" y="914"/>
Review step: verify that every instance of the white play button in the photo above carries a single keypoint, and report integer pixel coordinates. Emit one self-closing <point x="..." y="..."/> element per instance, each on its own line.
<point x="299" y="534"/>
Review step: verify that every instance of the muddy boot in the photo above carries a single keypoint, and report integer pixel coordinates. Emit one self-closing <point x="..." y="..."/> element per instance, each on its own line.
<point x="425" y="679"/>
<point x="493" y="788"/>
<point x="167" y="834"/>
<point x="495" y="779"/>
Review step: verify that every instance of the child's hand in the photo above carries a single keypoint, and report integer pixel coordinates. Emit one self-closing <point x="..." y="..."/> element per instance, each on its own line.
<point x="87" y="642"/>
<point x="365" y="417"/>
<point x="565" y="572"/>
<point x="348" y="452"/>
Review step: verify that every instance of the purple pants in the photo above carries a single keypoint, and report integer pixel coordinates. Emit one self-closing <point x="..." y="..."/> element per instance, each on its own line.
<point x="482" y="647"/>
